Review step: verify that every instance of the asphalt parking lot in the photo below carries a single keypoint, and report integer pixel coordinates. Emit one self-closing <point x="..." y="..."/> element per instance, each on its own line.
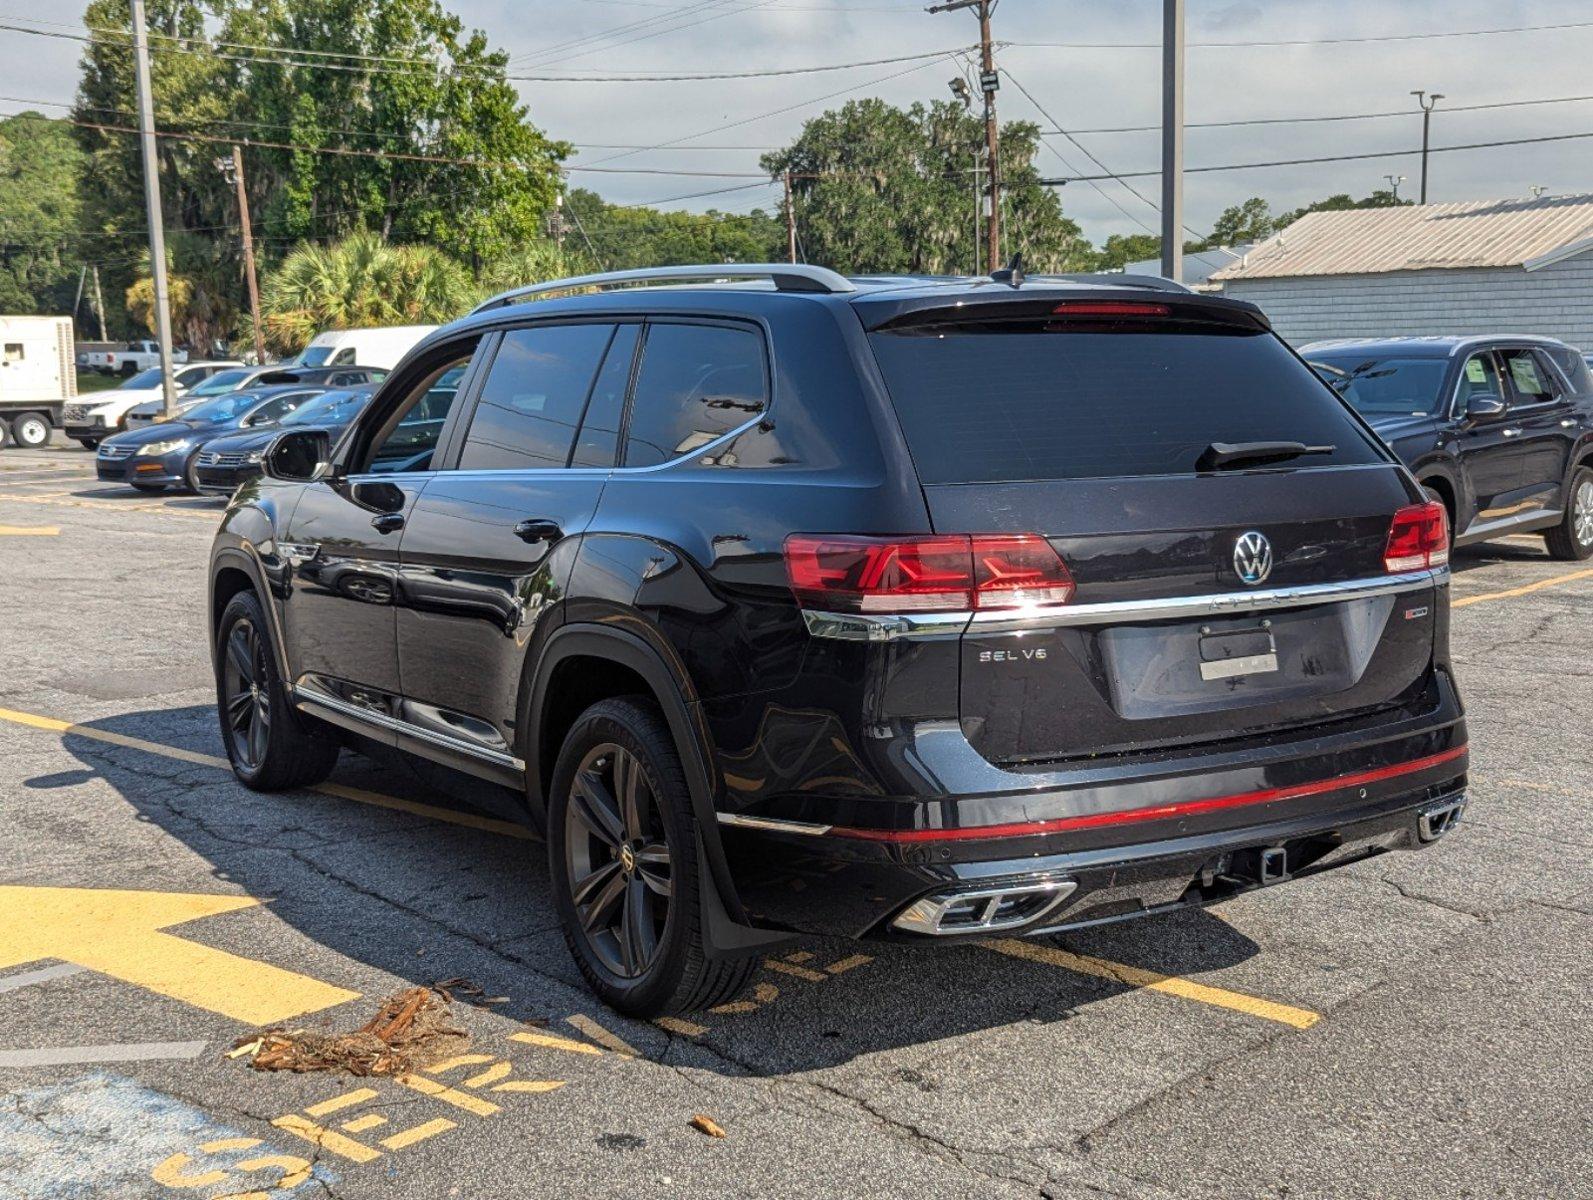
<point x="1415" y="1025"/>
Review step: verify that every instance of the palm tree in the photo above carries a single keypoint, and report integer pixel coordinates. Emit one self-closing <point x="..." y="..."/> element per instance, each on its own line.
<point x="360" y="281"/>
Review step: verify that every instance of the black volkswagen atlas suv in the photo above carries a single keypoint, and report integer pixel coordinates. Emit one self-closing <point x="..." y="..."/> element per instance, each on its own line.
<point x="908" y="608"/>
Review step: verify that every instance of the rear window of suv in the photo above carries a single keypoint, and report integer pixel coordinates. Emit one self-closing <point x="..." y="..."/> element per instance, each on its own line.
<point x="1033" y="400"/>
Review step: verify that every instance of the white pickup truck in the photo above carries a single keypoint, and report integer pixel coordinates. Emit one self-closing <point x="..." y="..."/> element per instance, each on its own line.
<point x="138" y="356"/>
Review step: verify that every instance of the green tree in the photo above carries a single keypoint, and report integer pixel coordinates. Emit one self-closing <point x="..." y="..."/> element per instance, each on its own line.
<point x="880" y="188"/>
<point x="636" y="236"/>
<point x="41" y="172"/>
<point x="463" y="108"/>
<point x="1121" y="249"/>
<point x="1250" y="221"/>
<point x="1381" y="198"/>
<point x="360" y="281"/>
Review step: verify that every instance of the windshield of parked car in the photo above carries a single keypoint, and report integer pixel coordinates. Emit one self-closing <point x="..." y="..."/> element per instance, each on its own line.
<point x="222" y="381"/>
<point x="144" y="379"/>
<point x="223" y="408"/>
<point x="1379" y="385"/>
<point x="334" y="408"/>
<point x="314" y="356"/>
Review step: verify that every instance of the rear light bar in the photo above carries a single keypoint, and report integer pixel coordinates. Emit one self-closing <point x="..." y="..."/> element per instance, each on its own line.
<point x="938" y="573"/>
<point x="1109" y="308"/>
<point x="1418" y="537"/>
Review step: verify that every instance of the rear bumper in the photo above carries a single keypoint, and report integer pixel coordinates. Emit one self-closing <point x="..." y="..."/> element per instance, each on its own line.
<point x="1130" y="839"/>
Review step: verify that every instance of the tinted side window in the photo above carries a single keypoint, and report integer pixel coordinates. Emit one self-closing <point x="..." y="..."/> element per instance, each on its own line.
<point x="1480" y="378"/>
<point x="598" y="441"/>
<point x="532" y="399"/>
<point x="695" y="383"/>
<point x="1529" y="379"/>
<point x="1573" y="365"/>
<point x="408" y="445"/>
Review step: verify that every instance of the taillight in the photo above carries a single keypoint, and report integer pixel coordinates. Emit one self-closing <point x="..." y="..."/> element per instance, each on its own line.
<point x="948" y="573"/>
<point x="1419" y="537"/>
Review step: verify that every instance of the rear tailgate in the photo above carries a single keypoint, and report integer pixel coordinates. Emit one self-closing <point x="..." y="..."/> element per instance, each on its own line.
<point x="1164" y="644"/>
<point x="1210" y="603"/>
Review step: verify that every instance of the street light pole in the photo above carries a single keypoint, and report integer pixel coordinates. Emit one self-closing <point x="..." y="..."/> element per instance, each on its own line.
<point x="157" y="233"/>
<point x="1173" y="139"/>
<point x="1428" y="103"/>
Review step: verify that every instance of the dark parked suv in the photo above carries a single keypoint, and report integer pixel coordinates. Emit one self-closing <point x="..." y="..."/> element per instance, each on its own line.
<point x="1498" y="429"/>
<point x="903" y="608"/>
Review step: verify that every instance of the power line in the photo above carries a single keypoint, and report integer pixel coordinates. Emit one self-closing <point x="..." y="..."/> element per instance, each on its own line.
<point x="1295" y="162"/>
<point x="263" y="54"/>
<point x="1303" y="120"/>
<point x="1330" y="41"/>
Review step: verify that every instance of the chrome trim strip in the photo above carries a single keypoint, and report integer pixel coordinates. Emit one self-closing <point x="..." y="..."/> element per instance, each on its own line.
<point x="888" y="627"/>
<point x="884" y="627"/>
<point x="307" y="696"/>
<point x="774" y="824"/>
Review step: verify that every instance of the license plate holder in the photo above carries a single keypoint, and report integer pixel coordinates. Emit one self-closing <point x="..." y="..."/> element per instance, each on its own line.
<point x="1237" y="652"/>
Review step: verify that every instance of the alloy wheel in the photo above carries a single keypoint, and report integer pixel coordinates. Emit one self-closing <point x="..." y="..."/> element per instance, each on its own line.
<point x="617" y="860"/>
<point x="246" y="695"/>
<point x="1582" y="513"/>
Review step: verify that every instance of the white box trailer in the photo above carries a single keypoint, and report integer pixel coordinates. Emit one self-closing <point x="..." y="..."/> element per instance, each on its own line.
<point x="38" y="375"/>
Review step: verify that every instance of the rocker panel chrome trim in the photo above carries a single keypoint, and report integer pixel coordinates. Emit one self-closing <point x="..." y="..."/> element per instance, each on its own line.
<point x="309" y="698"/>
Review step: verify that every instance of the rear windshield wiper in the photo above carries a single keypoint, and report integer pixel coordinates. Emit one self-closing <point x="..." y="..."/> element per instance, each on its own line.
<point x="1220" y="455"/>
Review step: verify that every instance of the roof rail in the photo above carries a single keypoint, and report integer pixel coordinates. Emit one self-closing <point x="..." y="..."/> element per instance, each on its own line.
<point x="786" y="277"/>
<point x="1118" y="279"/>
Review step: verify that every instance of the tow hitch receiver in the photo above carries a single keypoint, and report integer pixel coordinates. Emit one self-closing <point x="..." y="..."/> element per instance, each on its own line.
<point x="1438" y="820"/>
<point x="1264" y="865"/>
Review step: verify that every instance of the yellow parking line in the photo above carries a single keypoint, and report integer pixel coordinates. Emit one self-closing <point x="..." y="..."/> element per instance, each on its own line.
<point x="62" y="500"/>
<point x="1154" y="981"/>
<point x="1524" y="589"/>
<point x="340" y="790"/>
<point x="30" y="530"/>
<point x="1134" y="977"/>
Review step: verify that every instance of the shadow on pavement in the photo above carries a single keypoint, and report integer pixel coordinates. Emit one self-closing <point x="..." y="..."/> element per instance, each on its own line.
<point x="425" y="900"/>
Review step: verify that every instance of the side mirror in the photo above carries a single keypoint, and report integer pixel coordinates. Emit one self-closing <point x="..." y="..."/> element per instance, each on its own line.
<point x="1485" y="407"/>
<point x="298" y="455"/>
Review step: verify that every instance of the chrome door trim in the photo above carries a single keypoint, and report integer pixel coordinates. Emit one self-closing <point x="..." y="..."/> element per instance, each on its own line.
<point x="774" y="824"/>
<point x="306" y="697"/>
<point x="888" y="627"/>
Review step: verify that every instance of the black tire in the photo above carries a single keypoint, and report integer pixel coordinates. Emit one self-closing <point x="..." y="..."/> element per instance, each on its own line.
<point x="5" y="434"/>
<point x="270" y="746"/>
<point x="31" y="431"/>
<point x="664" y="968"/>
<point x="1572" y="539"/>
<point x="191" y="474"/>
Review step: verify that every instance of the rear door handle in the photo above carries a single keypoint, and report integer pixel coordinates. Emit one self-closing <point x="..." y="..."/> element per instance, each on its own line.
<point x="387" y="522"/>
<point x="1568" y="424"/>
<point x="538" y="529"/>
<point x="1510" y="432"/>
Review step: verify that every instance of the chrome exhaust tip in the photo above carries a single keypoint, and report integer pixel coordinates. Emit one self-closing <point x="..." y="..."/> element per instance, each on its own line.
<point x="984" y="910"/>
<point x="1432" y="823"/>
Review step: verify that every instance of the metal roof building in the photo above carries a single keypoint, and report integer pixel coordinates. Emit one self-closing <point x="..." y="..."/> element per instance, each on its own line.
<point x="1485" y="266"/>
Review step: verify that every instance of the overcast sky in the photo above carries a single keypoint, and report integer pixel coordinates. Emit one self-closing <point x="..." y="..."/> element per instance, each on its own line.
<point x="1081" y="88"/>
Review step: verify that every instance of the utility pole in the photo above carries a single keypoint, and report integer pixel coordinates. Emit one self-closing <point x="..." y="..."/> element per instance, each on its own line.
<point x="157" y="233"/>
<point x="790" y="221"/>
<point x="989" y="82"/>
<point x="1393" y="184"/>
<point x="233" y="170"/>
<point x="77" y="301"/>
<point x="1428" y="103"/>
<point x="1173" y="139"/>
<point x="99" y="303"/>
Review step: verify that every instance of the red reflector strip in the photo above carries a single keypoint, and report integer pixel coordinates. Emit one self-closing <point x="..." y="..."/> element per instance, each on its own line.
<point x="1154" y="812"/>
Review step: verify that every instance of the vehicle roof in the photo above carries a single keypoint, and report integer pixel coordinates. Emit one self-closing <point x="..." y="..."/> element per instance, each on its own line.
<point x="1434" y="346"/>
<point x="890" y="293"/>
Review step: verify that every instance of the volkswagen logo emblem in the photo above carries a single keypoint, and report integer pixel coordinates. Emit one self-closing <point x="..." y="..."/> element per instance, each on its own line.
<point x="1252" y="557"/>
